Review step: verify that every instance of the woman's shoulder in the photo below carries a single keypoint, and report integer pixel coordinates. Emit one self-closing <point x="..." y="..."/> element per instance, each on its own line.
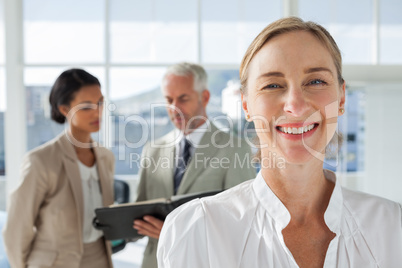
<point x="105" y="152"/>
<point x="363" y="202"/>
<point x="224" y="207"/>
<point x="372" y="214"/>
<point x="226" y="216"/>
<point x="43" y="160"/>
<point x="233" y="200"/>
<point x="375" y="223"/>
<point x="49" y="149"/>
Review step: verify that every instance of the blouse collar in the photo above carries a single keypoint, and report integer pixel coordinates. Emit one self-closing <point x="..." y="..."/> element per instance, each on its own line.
<point x="277" y="210"/>
<point x="88" y="173"/>
<point x="332" y="215"/>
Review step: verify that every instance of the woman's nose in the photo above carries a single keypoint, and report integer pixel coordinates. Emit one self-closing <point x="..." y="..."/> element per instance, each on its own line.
<point x="295" y="102"/>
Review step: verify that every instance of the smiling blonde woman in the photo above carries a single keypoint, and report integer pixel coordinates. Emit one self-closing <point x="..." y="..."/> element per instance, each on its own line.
<point x="296" y="215"/>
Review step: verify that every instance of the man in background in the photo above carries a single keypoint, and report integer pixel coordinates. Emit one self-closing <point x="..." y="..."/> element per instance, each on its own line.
<point x="201" y="157"/>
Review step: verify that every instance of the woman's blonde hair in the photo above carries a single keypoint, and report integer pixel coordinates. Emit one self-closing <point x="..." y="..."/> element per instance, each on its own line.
<point x="286" y="25"/>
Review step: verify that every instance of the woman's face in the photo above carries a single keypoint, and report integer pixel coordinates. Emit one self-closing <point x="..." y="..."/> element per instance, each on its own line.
<point x="293" y="97"/>
<point x="85" y="111"/>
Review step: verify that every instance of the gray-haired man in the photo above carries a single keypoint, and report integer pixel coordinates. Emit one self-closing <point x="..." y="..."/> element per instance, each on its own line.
<point x="199" y="156"/>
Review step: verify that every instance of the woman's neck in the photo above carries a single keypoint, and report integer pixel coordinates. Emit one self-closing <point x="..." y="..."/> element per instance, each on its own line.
<point x="81" y="140"/>
<point x="84" y="153"/>
<point x="80" y="136"/>
<point x="303" y="189"/>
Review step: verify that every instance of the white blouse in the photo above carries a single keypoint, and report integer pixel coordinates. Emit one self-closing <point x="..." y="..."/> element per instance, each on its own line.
<point x="242" y="227"/>
<point x="92" y="200"/>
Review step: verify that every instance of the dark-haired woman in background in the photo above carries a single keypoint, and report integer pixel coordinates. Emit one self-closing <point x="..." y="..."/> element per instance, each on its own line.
<point x="50" y="214"/>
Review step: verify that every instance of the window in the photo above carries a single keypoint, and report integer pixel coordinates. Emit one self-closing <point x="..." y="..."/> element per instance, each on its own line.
<point x="350" y="23"/>
<point x="3" y="108"/>
<point x="351" y="125"/>
<point x="228" y="27"/>
<point x="153" y="31"/>
<point x="390" y="32"/>
<point x="134" y="118"/>
<point x="2" y="145"/>
<point x="57" y="31"/>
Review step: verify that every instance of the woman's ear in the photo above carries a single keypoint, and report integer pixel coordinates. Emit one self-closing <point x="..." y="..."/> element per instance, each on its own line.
<point x="244" y="104"/>
<point x="342" y="96"/>
<point x="64" y="110"/>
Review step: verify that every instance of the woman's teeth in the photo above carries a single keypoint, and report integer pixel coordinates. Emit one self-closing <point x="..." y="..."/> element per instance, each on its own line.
<point x="296" y="130"/>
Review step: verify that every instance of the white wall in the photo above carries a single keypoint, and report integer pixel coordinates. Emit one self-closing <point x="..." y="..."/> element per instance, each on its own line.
<point x="384" y="141"/>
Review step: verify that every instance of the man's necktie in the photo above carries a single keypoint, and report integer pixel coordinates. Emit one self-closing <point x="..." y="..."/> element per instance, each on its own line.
<point x="184" y="158"/>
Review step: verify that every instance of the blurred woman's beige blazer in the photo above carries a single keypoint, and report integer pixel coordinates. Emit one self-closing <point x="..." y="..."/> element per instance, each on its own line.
<point x="45" y="212"/>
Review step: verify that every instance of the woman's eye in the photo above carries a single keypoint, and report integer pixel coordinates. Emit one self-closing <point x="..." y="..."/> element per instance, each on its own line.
<point x="272" y="86"/>
<point x="317" y="82"/>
